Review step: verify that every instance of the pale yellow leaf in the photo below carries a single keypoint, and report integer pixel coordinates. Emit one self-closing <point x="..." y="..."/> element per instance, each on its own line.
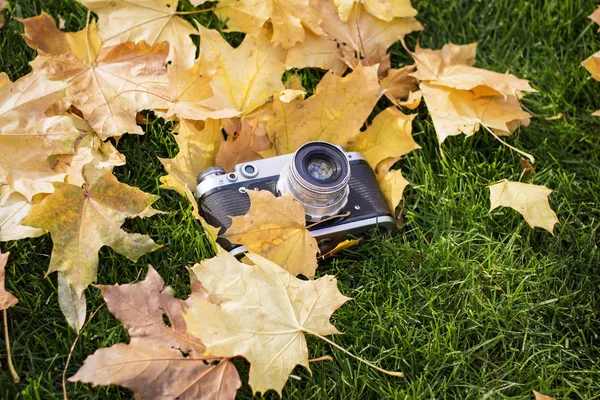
<point x="72" y="306"/>
<point x="531" y="201"/>
<point x="539" y="396"/>
<point x="383" y="9"/>
<point x="13" y="208"/>
<point x="275" y="227"/>
<point x="595" y="16"/>
<point x="261" y="312"/>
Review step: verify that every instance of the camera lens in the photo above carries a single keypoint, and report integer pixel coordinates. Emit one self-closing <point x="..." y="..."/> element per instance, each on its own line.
<point x="317" y="176"/>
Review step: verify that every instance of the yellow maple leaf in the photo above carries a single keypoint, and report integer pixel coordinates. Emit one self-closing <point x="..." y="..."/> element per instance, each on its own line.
<point x="389" y="136"/>
<point x="198" y="142"/>
<point x="392" y="185"/>
<point x="531" y="201"/>
<point x="450" y="67"/>
<point x="28" y="137"/>
<point x="107" y="86"/>
<point x="362" y="35"/>
<point x="274" y="308"/>
<point x="336" y="112"/>
<point x="247" y="76"/>
<point x="275" y="227"/>
<point x="151" y="21"/>
<point x="383" y="9"/>
<point x="82" y="220"/>
<point x="456" y="111"/>
<point x="288" y="18"/>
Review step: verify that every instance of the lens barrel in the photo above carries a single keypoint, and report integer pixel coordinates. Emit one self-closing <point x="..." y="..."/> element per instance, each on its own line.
<point x="317" y="176"/>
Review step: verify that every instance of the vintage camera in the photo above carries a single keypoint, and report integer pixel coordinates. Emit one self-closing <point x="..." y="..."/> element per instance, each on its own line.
<point x="324" y="178"/>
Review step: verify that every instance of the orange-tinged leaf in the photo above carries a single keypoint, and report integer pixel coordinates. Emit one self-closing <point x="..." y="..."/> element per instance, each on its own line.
<point x="28" y="137"/>
<point x="390" y="135"/>
<point x="198" y="142"/>
<point x="460" y="111"/>
<point x="334" y="114"/>
<point x="399" y="84"/>
<point x="531" y="201"/>
<point x="275" y="227"/>
<point x="151" y="21"/>
<point x="383" y="9"/>
<point x="243" y="145"/>
<point x="6" y="298"/>
<point x="592" y="64"/>
<point x="266" y="324"/>
<point x="160" y="361"/>
<point x="247" y="76"/>
<point x="362" y="34"/>
<point x="288" y="18"/>
<point x="392" y="185"/>
<point x="108" y="89"/>
<point x="82" y="220"/>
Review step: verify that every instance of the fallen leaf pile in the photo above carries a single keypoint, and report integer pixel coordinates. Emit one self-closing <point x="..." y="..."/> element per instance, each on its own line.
<point x="592" y="64"/>
<point x="60" y="127"/>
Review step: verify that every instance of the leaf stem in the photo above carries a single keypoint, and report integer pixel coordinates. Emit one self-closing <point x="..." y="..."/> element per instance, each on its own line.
<point x="529" y="156"/>
<point x="370" y="364"/>
<point x="11" y="367"/>
<point x="64" y="375"/>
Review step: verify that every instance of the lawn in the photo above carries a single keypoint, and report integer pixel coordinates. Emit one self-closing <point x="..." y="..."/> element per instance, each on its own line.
<point x="468" y="304"/>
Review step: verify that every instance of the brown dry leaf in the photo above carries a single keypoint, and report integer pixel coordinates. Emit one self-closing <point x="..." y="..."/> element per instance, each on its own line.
<point x="13" y="208"/>
<point x="3" y="4"/>
<point x="151" y="21"/>
<point x="266" y="324"/>
<point x="460" y="111"/>
<point x="28" y="137"/>
<point x="389" y="136"/>
<point x="449" y="67"/>
<point x="275" y="227"/>
<point x="198" y="142"/>
<point x="244" y="144"/>
<point x="595" y="16"/>
<point x="288" y="18"/>
<point x="399" y="84"/>
<point x="539" y="396"/>
<point x="383" y="9"/>
<point x="81" y="221"/>
<point x="160" y="361"/>
<point x="334" y="114"/>
<point x="362" y="36"/>
<point x="247" y="76"/>
<point x="529" y="200"/>
<point x="109" y="84"/>
<point x="528" y="169"/>
<point x="392" y="185"/>
<point x="6" y="299"/>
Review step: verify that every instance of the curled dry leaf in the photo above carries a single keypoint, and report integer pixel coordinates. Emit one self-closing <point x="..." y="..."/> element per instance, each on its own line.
<point x="288" y="18"/>
<point x="161" y="361"/>
<point x="399" y="84"/>
<point x="392" y="185"/>
<point x="198" y="142"/>
<point x="247" y="76"/>
<point x="28" y="137"/>
<point x="336" y="111"/>
<point x="6" y="298"/>
<point x="383" y="9"/>
<point x="389" y="136"/>
<point x="151" y="21"/>
<point x="539" y="396"/>
<point x="275" y="227"/>
<point x="82" y="220"/>
<point x="243" y="144"/>
<point x="531" y="201"/>
<point x="107" y="84"/>
<point x="266" y="324"/>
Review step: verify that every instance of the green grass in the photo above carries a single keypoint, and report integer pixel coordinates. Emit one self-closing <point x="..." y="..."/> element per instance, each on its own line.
<point x="468" y="304"/>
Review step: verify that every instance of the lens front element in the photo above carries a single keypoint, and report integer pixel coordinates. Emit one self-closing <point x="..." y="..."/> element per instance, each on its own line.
<point x="317" y="176"/>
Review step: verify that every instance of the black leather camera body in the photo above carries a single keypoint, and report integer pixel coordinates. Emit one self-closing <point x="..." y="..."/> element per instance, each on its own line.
<point x="326" y="180"/>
